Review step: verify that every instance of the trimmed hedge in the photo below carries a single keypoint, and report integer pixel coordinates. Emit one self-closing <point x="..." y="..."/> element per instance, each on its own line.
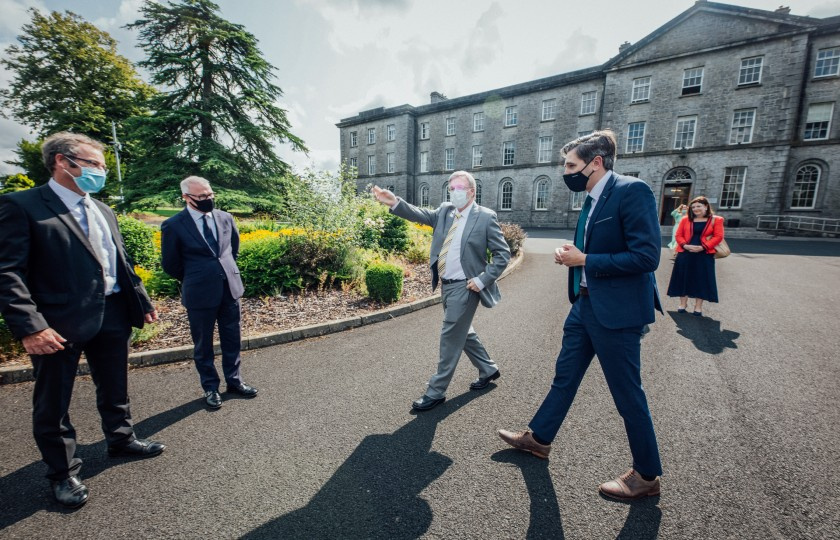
<point x="384" y="282"/>
<point x="138" y="241"/>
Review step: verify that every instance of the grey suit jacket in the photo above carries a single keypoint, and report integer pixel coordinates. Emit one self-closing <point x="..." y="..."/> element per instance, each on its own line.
<point x="186" y="256"/>
<point x="482" y="233"/>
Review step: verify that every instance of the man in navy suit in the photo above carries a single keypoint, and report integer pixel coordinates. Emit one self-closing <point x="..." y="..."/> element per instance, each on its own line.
<point x="613" y="293"/>
<point x="199" y="246"/>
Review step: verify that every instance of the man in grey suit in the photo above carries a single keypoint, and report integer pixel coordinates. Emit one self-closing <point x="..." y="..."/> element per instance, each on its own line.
<point x="463" y="232"/>
<point x="199" y="246"/>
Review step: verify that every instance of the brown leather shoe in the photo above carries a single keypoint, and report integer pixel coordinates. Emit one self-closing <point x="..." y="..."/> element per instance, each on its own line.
<point x="525" y="441"/>
<point x="630" y="485"/>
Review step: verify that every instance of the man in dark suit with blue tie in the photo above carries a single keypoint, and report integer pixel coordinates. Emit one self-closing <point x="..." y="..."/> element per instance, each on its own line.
<point x="613" y="293"/>
<point x="67" y="286"/>
<point x="199" y="246"/>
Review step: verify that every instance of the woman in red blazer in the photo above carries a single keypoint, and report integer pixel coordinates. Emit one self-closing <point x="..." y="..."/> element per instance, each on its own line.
<point x="694" y="270"/>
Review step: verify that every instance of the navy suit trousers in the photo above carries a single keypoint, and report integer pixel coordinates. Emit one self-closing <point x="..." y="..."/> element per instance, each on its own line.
<point x="619" y="352"/>
<point x="202" y="324"/>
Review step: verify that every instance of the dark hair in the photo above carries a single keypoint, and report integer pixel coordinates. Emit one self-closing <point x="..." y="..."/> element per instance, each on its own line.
<point x="598" y="143"/>
<point x="705" y="202"/>
<point x="65" y="143"/>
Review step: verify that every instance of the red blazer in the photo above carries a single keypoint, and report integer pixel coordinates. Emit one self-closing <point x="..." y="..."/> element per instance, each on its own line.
<point x="714" y="228"/>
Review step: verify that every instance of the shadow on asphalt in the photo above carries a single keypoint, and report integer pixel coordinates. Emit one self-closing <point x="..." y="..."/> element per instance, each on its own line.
<point x="26" y="491"/>
<point x="375" y="493"/>
<point x="705" y="333"/>
<point x="545" y="513"/>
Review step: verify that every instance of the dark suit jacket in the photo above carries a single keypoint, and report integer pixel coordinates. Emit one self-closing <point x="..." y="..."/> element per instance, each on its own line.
<point x="623" y="243"/>
<point x="187" y="257"/>
<point x="481" y="233"/>
<point x="49" y="274"/>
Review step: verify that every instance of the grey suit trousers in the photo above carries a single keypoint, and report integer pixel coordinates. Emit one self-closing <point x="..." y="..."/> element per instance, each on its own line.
<point x="457" y="335"/>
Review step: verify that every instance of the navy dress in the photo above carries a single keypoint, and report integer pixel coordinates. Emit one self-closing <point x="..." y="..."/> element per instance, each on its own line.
<point x="694" y="273"/>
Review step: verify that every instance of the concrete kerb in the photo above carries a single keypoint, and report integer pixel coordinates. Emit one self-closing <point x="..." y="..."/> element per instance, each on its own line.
<point x="17" y="374"/>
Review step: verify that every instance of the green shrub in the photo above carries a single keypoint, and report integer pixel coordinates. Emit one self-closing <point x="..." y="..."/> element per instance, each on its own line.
<point x="16" y="182"/>
<point x="162" y="284"/>
<point x="263" y="269"/>
<point x="319" y="258"/>
<point x="384" y="282"/>
<point x="394" y="234"/>
<point x="420" y="243"/>
<point x="9" y="346"/>
<point x="138" y="241"/>
<point x="514" y="236"/>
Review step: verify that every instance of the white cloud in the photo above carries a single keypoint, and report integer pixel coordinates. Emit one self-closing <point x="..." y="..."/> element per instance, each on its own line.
<point x="15" y="14"/>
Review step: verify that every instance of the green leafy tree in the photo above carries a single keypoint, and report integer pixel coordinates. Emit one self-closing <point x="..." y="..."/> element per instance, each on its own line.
<point x="31" y="161"/>
<point x="67" y="76"/>
<point x="217" y="116"/>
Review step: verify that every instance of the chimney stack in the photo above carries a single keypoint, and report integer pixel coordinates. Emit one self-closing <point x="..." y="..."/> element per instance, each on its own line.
<point x="437" y="97"/>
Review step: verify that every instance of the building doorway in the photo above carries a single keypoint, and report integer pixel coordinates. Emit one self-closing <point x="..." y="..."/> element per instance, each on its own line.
<point x="676" y="191"/>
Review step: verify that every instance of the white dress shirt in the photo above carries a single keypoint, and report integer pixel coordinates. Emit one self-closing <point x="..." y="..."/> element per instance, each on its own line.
<point x="72" y="201"/>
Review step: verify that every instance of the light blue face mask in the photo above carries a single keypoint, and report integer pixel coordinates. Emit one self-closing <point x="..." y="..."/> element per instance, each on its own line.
<point x="91" y="180"/>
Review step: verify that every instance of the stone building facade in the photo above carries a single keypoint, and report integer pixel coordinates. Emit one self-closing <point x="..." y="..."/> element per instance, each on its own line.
<point x="733" y="103"/>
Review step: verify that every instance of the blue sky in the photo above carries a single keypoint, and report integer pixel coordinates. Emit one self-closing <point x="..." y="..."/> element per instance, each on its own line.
<point x="335" y="58"/>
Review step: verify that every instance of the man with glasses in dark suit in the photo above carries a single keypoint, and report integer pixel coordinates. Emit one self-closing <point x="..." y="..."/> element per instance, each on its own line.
<point x="67" y="286"/>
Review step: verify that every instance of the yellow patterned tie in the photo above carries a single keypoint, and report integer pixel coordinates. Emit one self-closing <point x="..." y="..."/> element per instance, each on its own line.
<point x="445" y="249"/>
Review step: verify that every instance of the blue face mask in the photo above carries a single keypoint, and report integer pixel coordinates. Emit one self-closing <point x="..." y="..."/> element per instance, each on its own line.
<point x="91" y="180"/>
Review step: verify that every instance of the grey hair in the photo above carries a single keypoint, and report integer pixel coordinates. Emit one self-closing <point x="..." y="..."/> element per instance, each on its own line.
<point x="470" y="178"/>
<point x="598" y="143"/>
<point x="190" y="180"/>
<point x="65" y="143"/>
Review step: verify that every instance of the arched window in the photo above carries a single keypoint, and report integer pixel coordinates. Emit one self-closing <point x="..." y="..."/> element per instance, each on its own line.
<point x="506" y="196"/>
<point x="679" y="174"/>
<point x="541" y="194"/>
<point x="424" y="195"/>
<point x="477" y="192"/>
<point x="445" y="197"/>
<point x="805" y="187"/>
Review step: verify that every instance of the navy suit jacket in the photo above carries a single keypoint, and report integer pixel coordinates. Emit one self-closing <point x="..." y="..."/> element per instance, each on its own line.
<point x="186" y="256"/>
<point x="49" y="274"/>
<point x="623" y="244"/>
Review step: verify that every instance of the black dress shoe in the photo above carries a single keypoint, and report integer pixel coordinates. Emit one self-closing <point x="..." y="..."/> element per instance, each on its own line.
<point x="242" y="389"/>
<point x="137" y="448"/>
<point x="70" y="492"/>
<point x="482" y="382"/>
<point x="425" y="403"/>
<point x="213" y="399"/>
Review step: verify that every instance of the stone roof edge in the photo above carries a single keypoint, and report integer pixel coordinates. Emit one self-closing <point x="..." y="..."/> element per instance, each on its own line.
<point x="454" y="103"/>
<point x="806" y="23"/>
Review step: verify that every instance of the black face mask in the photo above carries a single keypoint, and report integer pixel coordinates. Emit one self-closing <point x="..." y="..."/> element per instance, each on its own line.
<point x="203" y="206"/>
<point x="577" y="181"/>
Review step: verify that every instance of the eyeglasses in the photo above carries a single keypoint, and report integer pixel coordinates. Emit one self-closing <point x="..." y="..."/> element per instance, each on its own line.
<point x="95" y="164"/>
<point x="200" y="197"/>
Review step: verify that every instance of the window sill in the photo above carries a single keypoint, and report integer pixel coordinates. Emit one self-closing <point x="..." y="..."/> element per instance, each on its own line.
<point x="826" y="77"/>
<point x="813" y="139"/>
<point x="640" y="102"/>
<point x="748" y="85"/>
<point x="540" y="209"/>
<point x="691" y="95"/>
<point x="548" y="120"/>
<point x="587" y="114"/>
<point x="510" y="126"/>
